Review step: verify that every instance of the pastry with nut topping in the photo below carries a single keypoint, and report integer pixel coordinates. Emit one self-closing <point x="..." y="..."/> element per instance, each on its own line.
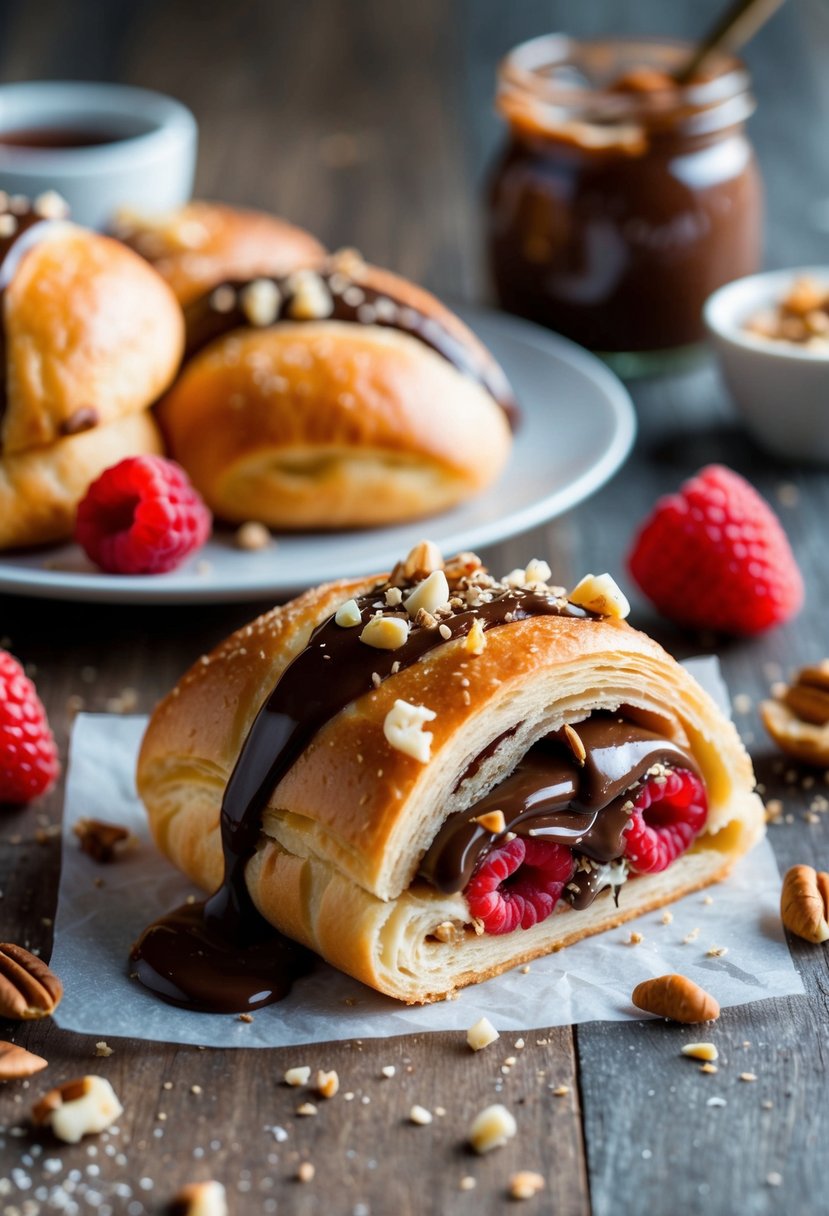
<point x="90" y="337"/>
<point x="428" y="777"/>
<point x="337" y="396"/>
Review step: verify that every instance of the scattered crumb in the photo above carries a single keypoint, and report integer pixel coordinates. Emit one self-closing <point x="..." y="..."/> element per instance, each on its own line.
<point x="667" y="917"/>
<point x="519" y="1044"/>
<point x="245" y="1017"/>
<point x="388" y="1070"/>
<point x="691" y="937"/>
<point x="700" y="1051"/>
<point x="525" y="970"/>
<point x="717" y="951"/>
<point x="748" y="1076"/>
<point x="481" y="1034"/>
<point x="710" y="1068"/>
<point x="467" y="1183"/>
<point x="525" y="1184"/>
<point x="326" y="1084"/>
<point x="774" y="1179"/>
<point x="787" y="494"/>
<point x="716" y="1102"/>
<point x="634" y="938"/>
<point x="420" y="1115"/>
<point x="103" y="1049"/>
<point x="709" y="899"/>
<point x="743" y="703"/>
<point x="195" y="1089"/>
<point x="561" y="1091"/>
<point x="307" y="1109"/>
<point x="297" y="1076"/>
<point x="305" y="1172"/>
<point x="252" y="536"/>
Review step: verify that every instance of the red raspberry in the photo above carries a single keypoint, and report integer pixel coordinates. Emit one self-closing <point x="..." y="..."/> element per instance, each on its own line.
<point x="519" y="883"/>
<point x="668" y="815"/>
<point x="142" y="516"/>
<point x="714" y="556"/>
<point x="28" y="756"/>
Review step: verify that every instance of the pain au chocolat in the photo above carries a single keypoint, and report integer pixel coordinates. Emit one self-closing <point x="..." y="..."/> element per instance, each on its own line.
<point x="337" y="397"/>
<point x="90" y="337"/>
<point x="429" y="777"/>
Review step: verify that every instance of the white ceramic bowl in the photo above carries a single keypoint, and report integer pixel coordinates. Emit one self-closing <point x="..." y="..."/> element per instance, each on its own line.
<point x="780" y="388"/>
<point x="147" y="163"/>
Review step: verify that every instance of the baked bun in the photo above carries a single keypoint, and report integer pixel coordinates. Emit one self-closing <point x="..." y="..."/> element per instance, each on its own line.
<point x="346" y="397"/>
<point x="204" y="243"/>
<point x="90" y="337"/>
<point x="371" y="833"/>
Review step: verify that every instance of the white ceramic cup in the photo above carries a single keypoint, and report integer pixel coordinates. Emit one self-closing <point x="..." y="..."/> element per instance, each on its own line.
<point x="147" y="162"/>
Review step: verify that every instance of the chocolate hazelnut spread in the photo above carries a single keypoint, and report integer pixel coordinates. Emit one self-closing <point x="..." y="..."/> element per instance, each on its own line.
<point x="550" y="795"/>
<point x="211" y="956"/>
<point x="343" y="299"/>
<point x="621" y="199"/>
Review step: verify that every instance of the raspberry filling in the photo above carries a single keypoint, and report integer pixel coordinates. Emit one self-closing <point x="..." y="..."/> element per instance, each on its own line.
<point x="519" y="882"/>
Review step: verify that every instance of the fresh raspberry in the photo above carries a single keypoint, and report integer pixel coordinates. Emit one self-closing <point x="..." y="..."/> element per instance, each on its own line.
<point x="519" y="883"/>
<point x="28" y="756"/>
<point x="142" y="516"/>
<point x="668" y="814"/>
<point x="714" y="556"/>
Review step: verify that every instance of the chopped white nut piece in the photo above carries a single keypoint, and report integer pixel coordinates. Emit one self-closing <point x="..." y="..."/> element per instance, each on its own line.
<point x="78" y="1108"/>
<point x="310" y="298"/>
<point x="748" y="1076"/>
<point x="403" y="728"/>
<point x="475" y="640"/>
<point x="260" y="301"/>
<point x="481" y="1034"/>
<point x="201" y="1199"/>
<point x="348" y="614"/>
<point x="306" y="1109"/>
<point x="297" y="1076"/>
<point x="493" y="821"/>
<point x="420" y="1115"/>
<point x="701" y="1051"/>
<point x="431" y="594"/>
<point x="421" y="560"/>
<point x="515" y="578"/>
<point x="537" y="571"/>
<point x="600" y="593"/>
<point x="525" y="1184"/>
<point x="252" y="536"/>
<point x="326" y="1083"/>
<point x="467" y="1183"/>
<point x="305" y="1171"/>
<point x="492" y="1128"/>
<point x="385" y="632"/>
<point x="388" y="1070"/>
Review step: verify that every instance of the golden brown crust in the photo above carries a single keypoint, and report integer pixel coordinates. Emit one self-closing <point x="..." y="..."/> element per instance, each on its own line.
<point x="203" y="243"/>
<point x="92" y="334"/>
<point x="40" y="489"/>
<point x="331" y="424"/>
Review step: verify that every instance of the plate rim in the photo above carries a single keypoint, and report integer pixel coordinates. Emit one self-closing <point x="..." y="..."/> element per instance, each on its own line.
<point x="114" y="589"/>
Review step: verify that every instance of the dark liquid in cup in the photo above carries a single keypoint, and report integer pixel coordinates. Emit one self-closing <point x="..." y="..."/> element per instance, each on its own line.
<point x="57" y="137"/>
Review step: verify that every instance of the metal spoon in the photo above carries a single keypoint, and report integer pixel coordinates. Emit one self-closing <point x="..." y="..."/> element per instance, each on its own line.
<point x="736" y="26"/>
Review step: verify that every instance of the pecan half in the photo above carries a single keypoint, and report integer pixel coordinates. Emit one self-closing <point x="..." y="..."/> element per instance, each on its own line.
<point x="99" y="839"/>
<point x="16" y="1061"/>
<point x="676" y="997"/>
<point x="804" y="903"/>
<point x="28" y="989"/>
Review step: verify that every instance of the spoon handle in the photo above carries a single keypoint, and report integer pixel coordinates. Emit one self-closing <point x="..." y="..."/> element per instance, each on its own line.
<point x="740" y="21"/>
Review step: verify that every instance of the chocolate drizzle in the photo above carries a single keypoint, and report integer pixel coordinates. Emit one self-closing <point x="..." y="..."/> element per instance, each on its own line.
<point x="176" y="956"/>
<point x="352" y="301"/>
<point x="550" y="795"/>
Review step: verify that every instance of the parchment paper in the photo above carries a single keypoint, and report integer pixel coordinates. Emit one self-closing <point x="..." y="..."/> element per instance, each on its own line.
<point x="590" y="981"/>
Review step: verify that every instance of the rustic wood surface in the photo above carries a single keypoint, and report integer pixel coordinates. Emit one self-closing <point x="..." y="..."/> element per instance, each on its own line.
<point x="370" y="121"/>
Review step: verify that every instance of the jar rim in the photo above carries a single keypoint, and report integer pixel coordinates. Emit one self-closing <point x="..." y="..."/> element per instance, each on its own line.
<point x="524" y="75"/>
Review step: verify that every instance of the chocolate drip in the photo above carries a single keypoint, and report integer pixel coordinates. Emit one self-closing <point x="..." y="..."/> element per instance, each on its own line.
<point x="333" y="670"/>
<point x="550" y="795"/>
<point x="356" y="303"/>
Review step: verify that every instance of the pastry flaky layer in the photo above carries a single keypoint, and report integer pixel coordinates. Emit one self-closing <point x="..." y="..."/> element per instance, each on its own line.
<point x="344" y="831"/>
<point x="92" y="334"/>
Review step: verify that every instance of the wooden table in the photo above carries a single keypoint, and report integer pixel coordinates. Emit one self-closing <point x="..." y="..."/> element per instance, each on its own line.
<point x="370" y="122"/>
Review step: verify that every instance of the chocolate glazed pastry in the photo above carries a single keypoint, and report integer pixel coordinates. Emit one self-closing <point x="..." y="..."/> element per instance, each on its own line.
<point x="336" y="397"/>
<point x="306" y="772"/>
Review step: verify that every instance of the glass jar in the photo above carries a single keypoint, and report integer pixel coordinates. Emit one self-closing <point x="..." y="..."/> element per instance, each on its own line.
<point x="622" y="199"/>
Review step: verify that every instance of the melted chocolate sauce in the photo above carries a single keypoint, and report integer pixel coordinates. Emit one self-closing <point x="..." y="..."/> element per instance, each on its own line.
<point x="551" y="796"/>
<point x="359" y="304"/>
<point x="333" y="670"/>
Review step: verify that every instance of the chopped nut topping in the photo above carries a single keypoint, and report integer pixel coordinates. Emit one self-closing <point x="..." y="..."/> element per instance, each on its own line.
<point x="310" y="298"/>
<point x="525" y="1184"/>
<point x="448" y="931"/>
<point x="420" y="1115"/>
<point x="326" y="1084"/>
<point x="394" y="597"/>
<point x="475" y="640"/>
<point x="420" y="562"/>
<point x="600" y="593"/>
<point x="385" y="632"/>
<point x="78" y="1108"/>
<point x="348" y="615"/>
<point x="223" y="299"/>
<point x="481" y="1034"/>
<point x="297" y="1076"/>
<point x="537" y="571"/>
<point x="252" y="536"/>
<point x="491" y="1129"/>
<point x="403" y="729"/>
<point x="260" y="302"/>
<point x="576" y="746"/>
<point x="701" y="1051"/>
<point x="99" y="840"/>
<point x="493" y="821"/>
<point x="429" y="595"/>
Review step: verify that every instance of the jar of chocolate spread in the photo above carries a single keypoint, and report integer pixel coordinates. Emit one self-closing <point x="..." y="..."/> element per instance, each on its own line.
<point x="621" y="199"/>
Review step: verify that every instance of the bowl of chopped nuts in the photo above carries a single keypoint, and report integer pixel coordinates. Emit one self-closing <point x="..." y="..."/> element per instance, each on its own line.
<point x="771" y="335"/>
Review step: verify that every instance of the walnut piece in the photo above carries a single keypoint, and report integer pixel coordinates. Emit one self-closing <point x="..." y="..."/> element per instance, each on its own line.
<point x="100" y="840"/>
<point x="403" y="729"/>
<point x="492" y="1128"/>
<point x="798" y="720"/>
<point x="78" y="1108"/>
<point x="676" y="997"/>
<point x="200" y="1199"/>
<point x="804" y="903"/>
<point x="28" y="988"/>
<point x="16" y="1061"/>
